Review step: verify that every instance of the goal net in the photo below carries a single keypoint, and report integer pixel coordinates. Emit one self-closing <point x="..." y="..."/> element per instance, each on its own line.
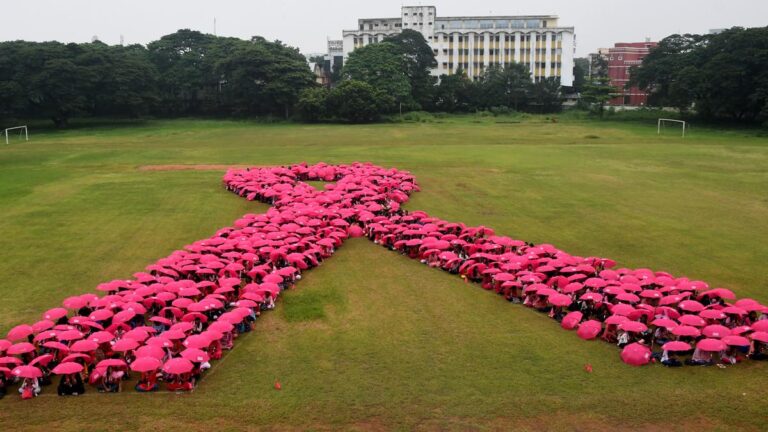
<point x="22" y="132"/>
<point x="672" y="123"/>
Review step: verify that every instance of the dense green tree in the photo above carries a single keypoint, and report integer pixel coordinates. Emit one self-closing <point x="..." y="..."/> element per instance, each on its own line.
<point x="546" y="95"/>
<point x="508" y="86"/>
<point x="312" y="102"/>
<point x="597" y="92"/>
<point x="383" y="67"/>
<point x="357" y="101"/>
<point x="419" y="60"/>
<point x="263" y="77"/>
<point x="186" y="70"/>
<point x="452" y="93"/>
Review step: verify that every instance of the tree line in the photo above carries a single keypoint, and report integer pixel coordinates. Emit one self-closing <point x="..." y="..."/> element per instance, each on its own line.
<point x="189" y="73"/>
<point x="395" y="75"/>
<point x="186" y="73"/>
<point x="715" y="76"/>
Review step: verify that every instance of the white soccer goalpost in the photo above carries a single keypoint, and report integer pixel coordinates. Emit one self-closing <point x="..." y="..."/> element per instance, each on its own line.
<point x="21" y="129"/>
<point x="662" y="122"/>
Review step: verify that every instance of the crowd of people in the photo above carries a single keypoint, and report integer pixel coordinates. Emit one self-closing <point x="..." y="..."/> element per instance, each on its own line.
<point x="164" y="327"/>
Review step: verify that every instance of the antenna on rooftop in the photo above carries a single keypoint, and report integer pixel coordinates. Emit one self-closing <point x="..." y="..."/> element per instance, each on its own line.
<point x="214" y="26"/>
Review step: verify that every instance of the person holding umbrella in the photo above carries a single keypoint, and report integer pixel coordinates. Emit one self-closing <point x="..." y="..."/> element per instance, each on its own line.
<point x="30" y="388"/>
<point x="111" y="381"/>
<point x="71" y="385"/>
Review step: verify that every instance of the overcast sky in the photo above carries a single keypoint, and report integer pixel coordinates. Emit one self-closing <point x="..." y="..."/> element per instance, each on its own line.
<point x="308" y="23"/>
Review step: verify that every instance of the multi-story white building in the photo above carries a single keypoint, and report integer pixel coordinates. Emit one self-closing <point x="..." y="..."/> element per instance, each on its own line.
<point x="473" y="43"/>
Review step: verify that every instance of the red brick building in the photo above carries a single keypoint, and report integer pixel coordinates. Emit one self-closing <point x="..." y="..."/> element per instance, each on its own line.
<point x="620" y="59"/>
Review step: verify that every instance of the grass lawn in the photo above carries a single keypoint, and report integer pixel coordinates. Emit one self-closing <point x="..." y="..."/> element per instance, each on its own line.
<point x="375" y="341"/>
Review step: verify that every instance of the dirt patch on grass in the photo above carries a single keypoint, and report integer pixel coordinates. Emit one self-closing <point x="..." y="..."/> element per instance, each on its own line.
<point x="197" y="167"/>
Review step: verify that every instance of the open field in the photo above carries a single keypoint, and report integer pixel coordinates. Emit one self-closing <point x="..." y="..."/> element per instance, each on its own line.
<point x="372" y="340"/>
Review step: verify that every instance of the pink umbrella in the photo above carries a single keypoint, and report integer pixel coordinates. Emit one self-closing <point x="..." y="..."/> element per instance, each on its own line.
<point x="636" y="354"/>
<point x="559" y="300"/>
<point x="734" y="340"/>
<point x="20" y="332"/>
<point x="42" y="325"/>
<point x="146" y="364"/>
<point x="759" y="336"/>
<point x="664" y="322"/>
<point x="56" y="346"/>
<point x="221" y="326"/>
<point x="622" y="309"/>
<point x="173" y="334"/>
<point x="589" y="329"/>
<point x="67" y="368"/>
<point x="161" y="320"/>
<point x="734" y="310"/>
<point x="101" y="337"/>
<point x="69" y="335"/>
<point x="178" y="366"/>
<point x="627" y="297"/>
<point x="112" y="363"/>
<point x="137" y="334"/>
<point x="684" y="330"/>
<point x="125" y="345"/>
<point x="20" y="348"/>
<point x="10" y="361"/>
<point x="615" y="319"/>
<point x="633" y="326"/>
<point x="159" y="341"/>
<point x="27" y="372"/>
<point x="692" y="320"/>
<point x="42" y="360"/>
<point x="195" y="355"/>
<point x="591" y="297"/>
<point x="716" y="331"/>
<point x="150" y="351"/>
<point x="101" y="315"/>
<point x="84" y="346"/>
<point x="78" y="356"/>
<point x="719" y="292"/>
<point x="761" y="325"/>
<point x="75" y="302"/>
<point x="691" y="306"/>
<point x="571" y="320"/>
<point x="676" y="346"/>
<point x="712" y="345"/>
<point x="197" y="341"/>
<point x="54" y="314"/>
<point x="712" y="314"/>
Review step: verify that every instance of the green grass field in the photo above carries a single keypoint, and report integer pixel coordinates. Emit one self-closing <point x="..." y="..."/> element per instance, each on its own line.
<point x="372" y="340"/>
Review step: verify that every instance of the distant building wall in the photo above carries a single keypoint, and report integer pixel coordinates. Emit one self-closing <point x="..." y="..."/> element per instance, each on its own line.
<point x="620" y="59"/>
<point x="473" y="43"/>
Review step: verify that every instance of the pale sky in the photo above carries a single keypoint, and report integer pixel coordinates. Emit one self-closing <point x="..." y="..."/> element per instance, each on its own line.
<point x="308" y="23"/>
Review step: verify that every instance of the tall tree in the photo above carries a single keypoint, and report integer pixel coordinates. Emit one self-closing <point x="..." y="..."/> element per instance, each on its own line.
<point x="546" y="95"/>
<point x="597" y="92"/>
<point x="358" y="101"/>
<point x="508" y="86"/>
<point x="185" y="70"/>
<point x="382" y="66"/>
<point x="263" y="77"/>
<point x="419" y="60"/>
<point x="452" y="93"/>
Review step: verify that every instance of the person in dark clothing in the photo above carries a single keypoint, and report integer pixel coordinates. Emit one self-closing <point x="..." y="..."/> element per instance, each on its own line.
<point x="71" y="385"/>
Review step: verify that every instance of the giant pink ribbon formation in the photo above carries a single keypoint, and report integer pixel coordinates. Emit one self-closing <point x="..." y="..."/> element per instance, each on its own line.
<point x="199" y="299"/>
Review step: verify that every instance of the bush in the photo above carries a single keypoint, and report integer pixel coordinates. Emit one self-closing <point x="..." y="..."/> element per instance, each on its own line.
<point x="501" y="110"/>
<point x="357" y="102"/>
<point x="311" y="105"/>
